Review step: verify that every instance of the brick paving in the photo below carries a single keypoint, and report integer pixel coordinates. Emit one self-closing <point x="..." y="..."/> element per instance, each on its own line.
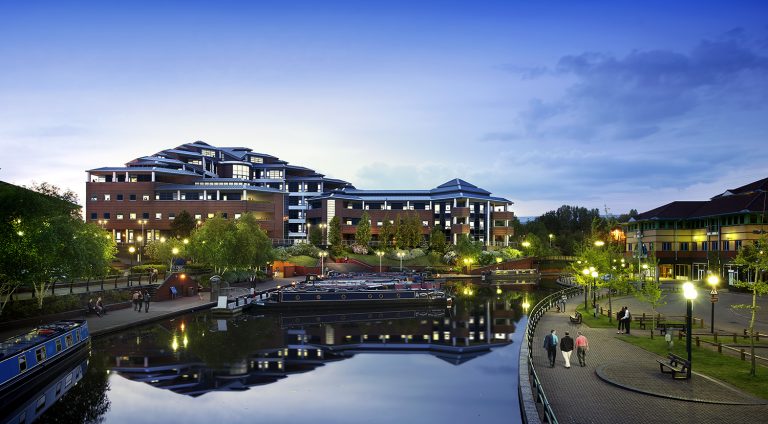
<point x="631" y="390"/>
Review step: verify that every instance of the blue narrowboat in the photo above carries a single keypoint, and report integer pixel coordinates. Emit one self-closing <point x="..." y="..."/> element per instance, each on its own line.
<point x="26" y="355"/>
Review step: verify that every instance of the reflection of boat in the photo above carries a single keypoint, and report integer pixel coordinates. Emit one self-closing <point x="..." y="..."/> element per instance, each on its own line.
<point x="353" y="295"/>
<point x="24" y="356"/>
<point x="512" y="276"/>
<point x="288" y="319"/>
<point x="26" y="403"/>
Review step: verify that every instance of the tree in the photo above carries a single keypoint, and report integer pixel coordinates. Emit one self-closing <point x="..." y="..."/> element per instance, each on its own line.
<point x="386" y="234"/>
<point x="334" y="235"/>
<point x="754" y="258"/>
<point x="437" y="240"/>
<point x="315" y="235"/>
<point x="363" y="232"/>
<point x="183" y="224"/>
<point x="162" y="250"/>
<point x="254" y="246"/>
<point x="408" y="231"/>
<point x="215" y="243"/>
<point x="467" y="248"/>
<point x="570" y="225"/>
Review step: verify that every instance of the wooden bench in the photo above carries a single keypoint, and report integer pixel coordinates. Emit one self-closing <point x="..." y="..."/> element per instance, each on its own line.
<point x="664" y="326"/>
<point x="576" y="319"/>
<point x="676" y="365"/>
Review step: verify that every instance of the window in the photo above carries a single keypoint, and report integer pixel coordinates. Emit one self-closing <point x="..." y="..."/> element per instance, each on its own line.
<point x="94" y="215"/>
<point x="241" y="171"/>
<point x="210" y="215"/>
<point x="172" y="216"/>
<point x="254" y="159"/>
<point x="379" y="223"/>
<point x="107" y="197"/>
<point x="447" y="224"/>
<point x="145" y="215"/>
<point x="198" y="216"/>
<point x="106" y="215"/>
<point x="437" y="208"/>
<point x="738" y="244"/>
<point x="158" y="215"/>
<point x="274" y="174"/>
<point x="425" y="223"/>
<point x="237" y="216"/>
<point x="94" y="198"/>
<point x="58" y="345"/>
<point x="22" y="363"/>
<point x="209" y="153"/>
<point x="726" y="245"/>
<point x="694" y="246"/>
<point x="119" y="197"/>
<point x="132" y="215"/>
<point x="40" y="354"/>
<point x="40" y="404"/>
<point x="703" y="246"/>
<point x="132" y="197"/>
<point x="666" y="246"/>
<point x="145" y="197"/>
<point x="119" y="216"/>
<point x="68" y="340"/>
<point x="684" y="246"/>
<point x="714" y="246"/>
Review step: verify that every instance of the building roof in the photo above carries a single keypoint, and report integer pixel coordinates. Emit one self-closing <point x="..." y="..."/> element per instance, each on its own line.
<point x="750" y="198"/>
<point x="456" y="188"/>
<point x="143" y="169"/>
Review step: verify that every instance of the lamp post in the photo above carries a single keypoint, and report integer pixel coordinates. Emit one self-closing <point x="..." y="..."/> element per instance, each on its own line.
<point x="689" y="291"/>
<point x="379" y="253"/>
<point x="400" y="255"/>
<point x="639" y="251"/>
<point x="551" y="236"/>
<point x="594" y="290"/>
<point x="309" y="225"/>
<point x="174" y="252"/>
<point x="323" y="226"/>
<point x="131" y="251"/>
<point x="322" y="255"/>
<point x="586" y="272"/>
<point x="713" y="280"/>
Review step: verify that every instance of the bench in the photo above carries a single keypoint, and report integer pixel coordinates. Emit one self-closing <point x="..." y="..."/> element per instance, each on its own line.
<point x="676" y="365"/>
<point x="664" y="326"/>
<point x="111" y="307"/>
<point x="576" y="318"/>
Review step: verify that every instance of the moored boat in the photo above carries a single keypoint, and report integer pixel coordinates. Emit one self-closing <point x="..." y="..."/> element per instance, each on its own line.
<point x="362" y="295"/>
<point x="24" y="356"/>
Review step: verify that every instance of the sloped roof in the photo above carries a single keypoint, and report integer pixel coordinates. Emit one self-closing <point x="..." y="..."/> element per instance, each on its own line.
<point x="755" y="201"/>
<point x="759" y="185"/>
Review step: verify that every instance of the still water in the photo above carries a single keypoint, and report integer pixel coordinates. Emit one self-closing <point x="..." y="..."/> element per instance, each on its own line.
<point x="375" y="366"/>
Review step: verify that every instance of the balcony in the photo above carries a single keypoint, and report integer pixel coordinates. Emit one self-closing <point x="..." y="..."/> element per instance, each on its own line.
<point x="502" y="231"/>
<point x="348" y="229"/>
<point x="460" y="228"/>
<point x="460" y="212"/>
<point x="505" y="216"/>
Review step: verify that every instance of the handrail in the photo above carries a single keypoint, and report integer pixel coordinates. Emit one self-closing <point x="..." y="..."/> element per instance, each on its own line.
<point x="533" y="392"/>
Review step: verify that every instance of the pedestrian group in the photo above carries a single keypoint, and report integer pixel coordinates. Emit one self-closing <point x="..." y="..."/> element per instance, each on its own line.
<point x="551" y="342"/>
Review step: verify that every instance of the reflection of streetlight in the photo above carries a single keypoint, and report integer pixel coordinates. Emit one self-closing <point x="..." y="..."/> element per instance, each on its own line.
<point x="713" y="280"/>
<point x="322" y="255"/>
<point x="379" y="253"/>
<point x="308" y="226"/>
<point x="689" y="291"/>
<point x="400" y="255"/>
<point x="468" y="264"/>
<point x="526" y="305"/>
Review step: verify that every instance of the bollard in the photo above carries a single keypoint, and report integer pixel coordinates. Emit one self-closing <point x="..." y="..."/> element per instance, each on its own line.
<point x="743" y="356"/>
<point x="734" y="337"/>
<point x="757" y="336"/>
<point x="715" y="337"/>
<point x="698" y="344"/>
<point x="719" y="348"/>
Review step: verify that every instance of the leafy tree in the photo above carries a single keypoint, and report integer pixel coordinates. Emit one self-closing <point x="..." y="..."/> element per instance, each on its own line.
<point x="51" y="190"/>
<point x="386" y="233"/>
<point x="363" y="232"/>
<point x="254" y="246"/>
<point x="183" y="224"/>
<point x="466" y="248"/>
<point x="437" y="240"/>
<point x="334" y="236"/>
<point x="754" y="258"/>
<point x="162" y="250"/>
<point x="408" y="231"/>
<point x="571" y="225"/>
<point x="215" y="244"/>
<point x="315" y="235"/>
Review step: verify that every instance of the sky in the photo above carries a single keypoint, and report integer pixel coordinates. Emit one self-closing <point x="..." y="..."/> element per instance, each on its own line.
<point x="614" y="105"/>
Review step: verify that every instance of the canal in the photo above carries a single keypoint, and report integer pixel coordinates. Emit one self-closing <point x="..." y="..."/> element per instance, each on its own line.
<point x="373" y="366"/>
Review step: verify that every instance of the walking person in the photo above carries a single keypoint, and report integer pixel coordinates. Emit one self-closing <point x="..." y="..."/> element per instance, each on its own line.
<point x="146" y="301"/>
<point x="619" y="316"/>
<point x="136" y="305"/>
<point x="139" y="299"/>
<point x="562" y="302"/>
<point x="566" y="347"/>
<point x="550" y="343"/>
<point x="582" y="347"/>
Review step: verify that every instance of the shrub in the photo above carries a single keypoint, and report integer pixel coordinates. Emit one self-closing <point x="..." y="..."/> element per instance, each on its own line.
<point x="407" y="254"/>
<point x="302" y="249"/>
<point x="450" y="257"/>
<point x="359" y="249"/>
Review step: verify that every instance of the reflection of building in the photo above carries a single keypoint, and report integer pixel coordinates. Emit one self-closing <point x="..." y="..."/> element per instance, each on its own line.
<point x="296" y="344"/>
<point x="691" y="237"/>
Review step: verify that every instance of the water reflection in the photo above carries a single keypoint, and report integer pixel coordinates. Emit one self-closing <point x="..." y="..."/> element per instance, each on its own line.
<point x="342" y="364"/>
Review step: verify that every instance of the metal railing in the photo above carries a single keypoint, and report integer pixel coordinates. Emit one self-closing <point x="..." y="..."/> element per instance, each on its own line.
<point x="534" y="393"/>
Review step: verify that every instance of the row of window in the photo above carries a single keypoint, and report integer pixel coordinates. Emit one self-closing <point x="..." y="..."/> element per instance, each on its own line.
<point x="712" y="223"/>
<point x="693" y="246"/>
<point x="171" y="195"/>
<point x="145" y="215"/>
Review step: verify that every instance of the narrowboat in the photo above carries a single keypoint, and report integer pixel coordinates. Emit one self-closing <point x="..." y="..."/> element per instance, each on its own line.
<point x="24" y="356"/>
<point x="360" y="295"/>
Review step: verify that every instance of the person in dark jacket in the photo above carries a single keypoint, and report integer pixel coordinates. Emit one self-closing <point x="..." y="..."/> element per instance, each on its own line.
<point x="146" y="301"/>
<point x="550" y="343"/>
<point x="566" y="346"/>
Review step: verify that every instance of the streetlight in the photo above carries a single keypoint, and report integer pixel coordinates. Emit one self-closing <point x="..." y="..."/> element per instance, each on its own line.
<point x="400" y="255"/>
<point x="594" y="289"/>
<point x="689" y="291"/>
<point x="713" y="280"/>
<point x="551" y="236"/>
<point x="309" y="225"/>
<point x="131" y="251"/>
<point x="586" y="272"/>
<point x="379" y="253"/>
<point x="526" y="244"/>
<point x="174" y="252"/>
<point x="599" y="243"/>
<point x="322" y="255"/>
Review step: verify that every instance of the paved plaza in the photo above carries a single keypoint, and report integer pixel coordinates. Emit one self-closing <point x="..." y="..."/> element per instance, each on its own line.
<point x="622" y="383"/>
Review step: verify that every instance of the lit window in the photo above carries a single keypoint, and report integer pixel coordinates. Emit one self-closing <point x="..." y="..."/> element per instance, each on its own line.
<point x="211" y="215"/>
<point x="132" y="215"/>
<point x="198" y="216"/>
<point x="158" y="215"/>
<point x="107" y="197"/>
<point x="119" y="216"/>
<point x="145" y="197"/>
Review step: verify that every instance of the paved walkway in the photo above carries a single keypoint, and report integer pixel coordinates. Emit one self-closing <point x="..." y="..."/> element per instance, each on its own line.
<point x="622" y="384"/>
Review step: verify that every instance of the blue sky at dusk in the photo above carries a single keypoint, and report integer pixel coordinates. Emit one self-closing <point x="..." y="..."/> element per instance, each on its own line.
<point x="620" y="103"/>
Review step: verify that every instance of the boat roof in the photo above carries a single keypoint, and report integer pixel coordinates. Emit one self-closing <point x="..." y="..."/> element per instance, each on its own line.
<point x="34" y="337"/>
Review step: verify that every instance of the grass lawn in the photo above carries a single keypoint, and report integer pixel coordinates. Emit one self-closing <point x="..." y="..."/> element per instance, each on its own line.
<point x="373" y="260"/>
<point x="304" y="260"/>
<point x="731" y="370"/>
<point x="600" y="322"/>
